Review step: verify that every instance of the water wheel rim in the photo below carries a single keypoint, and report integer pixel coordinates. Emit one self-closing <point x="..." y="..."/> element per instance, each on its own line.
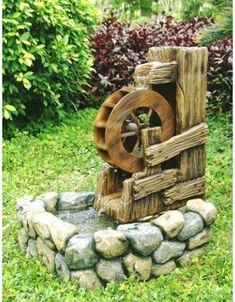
<point x="140" y="98"/>
<point x="102" y="117"/>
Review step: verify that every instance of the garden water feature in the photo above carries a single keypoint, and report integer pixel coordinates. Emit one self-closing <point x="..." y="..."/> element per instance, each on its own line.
<point x="87" y="247"/>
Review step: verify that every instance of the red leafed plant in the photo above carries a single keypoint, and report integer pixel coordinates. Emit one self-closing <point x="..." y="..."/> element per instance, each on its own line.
<point x="220" y="76"/>
<point x="118" y="49"/>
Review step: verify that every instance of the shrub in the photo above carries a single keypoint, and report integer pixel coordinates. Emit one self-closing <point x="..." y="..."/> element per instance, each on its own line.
<point x="220" y="76"/>
<point x="47" y="55"/>
<point x="119" y="49"/>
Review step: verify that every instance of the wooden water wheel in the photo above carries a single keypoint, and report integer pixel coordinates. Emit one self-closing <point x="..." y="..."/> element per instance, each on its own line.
<point x="119" y="123"/>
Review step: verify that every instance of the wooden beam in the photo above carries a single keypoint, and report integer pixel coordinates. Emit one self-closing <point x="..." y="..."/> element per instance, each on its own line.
<point x="184" y="190"/>
<point x="162" y="54"/>
<point x="193" y="137"/>
<point x="155" y="73"/>
<point x="155" y="183"/>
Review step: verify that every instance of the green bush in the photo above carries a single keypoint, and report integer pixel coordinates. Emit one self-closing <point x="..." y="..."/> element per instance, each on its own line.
<point x="47" y="56"/>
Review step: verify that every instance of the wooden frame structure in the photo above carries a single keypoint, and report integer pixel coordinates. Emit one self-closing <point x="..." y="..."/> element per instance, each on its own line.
<point x="174" y="169"/>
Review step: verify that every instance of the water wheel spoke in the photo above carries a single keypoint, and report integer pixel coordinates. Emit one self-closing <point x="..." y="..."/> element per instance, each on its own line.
<point x="136" y="146"/>
<point x="136" y="120"/>
<point x="127" y="134"/>
<point x="149" y="113"/>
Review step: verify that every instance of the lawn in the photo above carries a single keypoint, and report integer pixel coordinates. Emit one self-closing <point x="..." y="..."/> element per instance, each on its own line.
<point x="47" y="157"/>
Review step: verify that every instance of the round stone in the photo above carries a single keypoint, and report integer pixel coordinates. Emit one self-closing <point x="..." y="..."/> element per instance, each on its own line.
<point x="206" y="209"/>
<point x="138" y="265"/>
<point x="193" y="225"/>
<point x="144" y="237"/>
<point x="110" y="243"/>
<point x="110" y="270"/>
<point x="87" y="279"/>
<point x="170" y="222"/>
<point x="61" y="266"/>
<point x="79" y="252"/>
<point x="168" y="250"/>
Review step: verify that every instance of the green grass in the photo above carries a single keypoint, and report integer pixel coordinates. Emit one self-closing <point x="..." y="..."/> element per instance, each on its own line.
<point x="63" y="158"/>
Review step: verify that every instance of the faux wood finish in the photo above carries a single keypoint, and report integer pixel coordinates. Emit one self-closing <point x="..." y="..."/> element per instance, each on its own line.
<point x="108" y="181"/>
<point x="151" y="136"/>
<point x="191" y="99"/>
<point x="150" y="189"/>
<point x="155" y="73"/>
<point x="134" y="100"/>
<point x="191" y="138"/>
<point x="154" y="183"/>
<point x="184" y="190"/>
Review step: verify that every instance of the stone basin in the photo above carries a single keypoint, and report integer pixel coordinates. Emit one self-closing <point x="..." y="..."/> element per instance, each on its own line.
<point x="87" y="247"/>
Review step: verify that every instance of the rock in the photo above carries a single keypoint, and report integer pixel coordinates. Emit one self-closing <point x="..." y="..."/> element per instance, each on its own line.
<point x="193" y="225"/>
<point x="61" y="232"/>
<point x="139" y="266"/>
<point x="110" y="243"/>
<point x="49" y="243"/>
<point x="61" y="266"/>
<point x="206" y="209"/>
<point x="23" y="238"/>
<point x="75" y="201"/>
<point x="46" y="254"/>
<point x="163" y="269"/>
<point x="189" y="255"/>
<point x="41" y="223"/>
<point x="110" y="270"/>
<point x="27" y="213"/>
<point x="87" y="279"/>
<point x="50" y="200"/>
<point x="199" y="239"/>
<point x="32" y="248"/>
<point x="170" y="222"/>
<point x="144" y="237"/>
<point x="21" y="204"/>
<point x="79" y="252"/>
<point x="168" y="250"/>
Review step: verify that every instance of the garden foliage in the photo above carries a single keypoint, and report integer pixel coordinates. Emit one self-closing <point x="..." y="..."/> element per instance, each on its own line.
<point x="220" y="75"/>
<point x="46" y="53"/>
<point x="118" y="49"/>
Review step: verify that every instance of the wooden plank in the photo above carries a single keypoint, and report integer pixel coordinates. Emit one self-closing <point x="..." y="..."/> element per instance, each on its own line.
<point x="151" y="136"/>
<point x="162" y="73"/>
<point x="184" y="190"/>
<point x="162" y="54"/>
<point x="108" y="181"/>
<point x="155" y="73"/>
<point x="191" y="138"/>
<point x="154" y="183"/>
<point x="127" y="196"/>
<point x="191" y="103"/>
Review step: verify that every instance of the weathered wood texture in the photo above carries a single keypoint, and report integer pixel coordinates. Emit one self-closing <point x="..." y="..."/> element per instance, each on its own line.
<point x="151" y="136"/>
<point x="154" y="183"/>
<point x="163" y="54"/>
<point x="129" y="161"/>
<point x="184" y="190"/>
<point x="151" y="190"/>
<point x="191" y="138"/>
<point x="113" y="206"/>
<point x="191" y="99"/>
<point x="108" y="181"/>
<point x="155" y="73"/>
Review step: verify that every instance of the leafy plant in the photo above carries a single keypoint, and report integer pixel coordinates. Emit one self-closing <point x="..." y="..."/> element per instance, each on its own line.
<point x="118" y="49"/>
<point x="220" y="76"/>
<point x="47" y="58"/>
<point x="223" y="27"/>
